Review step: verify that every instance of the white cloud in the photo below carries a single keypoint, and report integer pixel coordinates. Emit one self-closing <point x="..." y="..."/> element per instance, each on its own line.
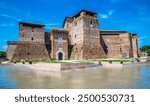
<point x="141" y="39"/>
<point x="8" y="7"/>
<point x="107" y="15"/>
<point x="104" y="16"/>
<point x="51" y="25"/>
<point x="7" y="25"/>
<point x="10" y="17"/>
<point x="3" y="48"/>
<point x="5" y="40"/>
<point x="110" y="12"/>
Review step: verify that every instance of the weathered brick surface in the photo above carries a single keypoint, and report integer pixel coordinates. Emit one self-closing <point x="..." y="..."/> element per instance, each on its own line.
<point x="11" y="49"/>
<point x="32" y="44"/>
<point x="135" y="46"/>
<point x="31" y="51"/>
<point x="59" y="39"/>
<point x="81" y="38"/>
<point x="119" y="45"/>
<point x="31" y="32"/>
<point x="85" y="37"/>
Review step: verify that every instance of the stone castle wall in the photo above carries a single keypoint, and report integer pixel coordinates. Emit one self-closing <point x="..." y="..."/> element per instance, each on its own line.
<point x="113" y="46"/>
<point x="59" y="39"/>
<point x="120" y="45"/>
<point x="85" y="37"/>
<point x="68" y="26"/>
<point x="135" y="46"/>
<point x="80" y="39"/>
<point x="31" y="32"/>
<point x="11" y="49"/>
<point x="31" y="51"/>
<point x="126" y="45"/>
<point x="31" y="43"/>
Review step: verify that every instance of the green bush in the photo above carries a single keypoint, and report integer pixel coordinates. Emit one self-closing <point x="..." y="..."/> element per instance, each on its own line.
<point x="146" y="49"/>
<point x="3" y="54"/>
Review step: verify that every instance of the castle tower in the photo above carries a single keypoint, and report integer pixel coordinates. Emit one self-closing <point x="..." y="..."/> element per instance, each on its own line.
<point x="31" y="43"/>
<point x="59" y="44"/>
<point x="85" y="37"/>
<point x="135" y="46"/>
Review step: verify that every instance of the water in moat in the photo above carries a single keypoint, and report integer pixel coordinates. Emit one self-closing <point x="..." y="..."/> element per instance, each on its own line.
<point x="127" y="77"/>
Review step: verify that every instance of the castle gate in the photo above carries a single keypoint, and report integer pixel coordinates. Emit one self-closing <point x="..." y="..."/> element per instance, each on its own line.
<point x="60" y="56"/>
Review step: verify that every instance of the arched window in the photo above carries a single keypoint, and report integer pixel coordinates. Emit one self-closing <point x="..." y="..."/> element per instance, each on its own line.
<point x="32" y="38"/>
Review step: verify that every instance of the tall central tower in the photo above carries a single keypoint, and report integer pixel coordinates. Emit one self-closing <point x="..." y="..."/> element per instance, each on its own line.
<point x="85" y="36"/>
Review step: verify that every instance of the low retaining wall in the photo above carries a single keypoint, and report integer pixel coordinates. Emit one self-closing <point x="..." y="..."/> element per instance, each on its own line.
<point x="58" y="67"/>
<point x="73" y="66"/>
<point x="113" y="64"/>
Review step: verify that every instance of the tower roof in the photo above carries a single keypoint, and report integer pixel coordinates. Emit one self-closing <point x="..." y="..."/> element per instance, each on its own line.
<point x="31" y="24"/>
<point x="66" y="18"/>
<point x="114" y="32"/>
<point x="78" y="14"/>
<point x="88" y="12"/>
<point x="12" y="42"/>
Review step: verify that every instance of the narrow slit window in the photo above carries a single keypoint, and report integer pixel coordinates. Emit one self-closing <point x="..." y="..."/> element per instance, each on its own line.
<point x="91" y="22"/>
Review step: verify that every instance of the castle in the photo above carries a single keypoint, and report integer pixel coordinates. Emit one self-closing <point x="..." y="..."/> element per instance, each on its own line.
<point x="80" y="38"/>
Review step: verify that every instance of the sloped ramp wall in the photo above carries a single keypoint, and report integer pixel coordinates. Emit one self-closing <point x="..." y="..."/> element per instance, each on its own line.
<point x="31" y="51"/>
<point x="93" y="52"/>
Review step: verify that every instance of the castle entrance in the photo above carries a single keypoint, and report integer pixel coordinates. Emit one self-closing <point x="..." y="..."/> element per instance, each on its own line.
<point x="60" y="56"/>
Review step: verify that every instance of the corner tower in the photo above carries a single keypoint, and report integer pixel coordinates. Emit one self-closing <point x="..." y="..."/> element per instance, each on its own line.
<point x="31" y="44"/>
<point x="86" y="36"/>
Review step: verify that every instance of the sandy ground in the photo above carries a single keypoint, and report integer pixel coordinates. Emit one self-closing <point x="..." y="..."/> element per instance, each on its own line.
<point x="41" y="66"/>
<point x="57" y="67"/>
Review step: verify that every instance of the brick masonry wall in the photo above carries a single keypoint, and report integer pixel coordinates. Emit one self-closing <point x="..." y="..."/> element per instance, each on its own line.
<point x="135" y="46"/>
<point x="32" y="51"/>
<point x="113" y="45"/>
<point x="126" y="45"/>
<point x="68" y="26"/>
<point x="31" y="33"/>
<point x="11" y="50"/>
<point x="80" y="39"/>
<point x="31" y="43"/>
<point x="85" y="37"/>
<point x="120" y="46"/>
<point x="59" y="39"/>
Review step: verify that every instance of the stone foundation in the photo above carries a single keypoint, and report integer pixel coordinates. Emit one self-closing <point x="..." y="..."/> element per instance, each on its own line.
<point x="11" y="49"/>
<point x="93" y="52"/>
<point x="32" y="51"/>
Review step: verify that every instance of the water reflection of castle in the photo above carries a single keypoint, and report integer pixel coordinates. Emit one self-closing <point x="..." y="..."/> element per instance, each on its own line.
<point x="80" y="38"/>
<point x="104" y="77"/>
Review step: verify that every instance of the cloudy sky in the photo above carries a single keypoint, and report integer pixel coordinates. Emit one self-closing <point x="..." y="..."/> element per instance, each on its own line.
<point x="128" y="15"/>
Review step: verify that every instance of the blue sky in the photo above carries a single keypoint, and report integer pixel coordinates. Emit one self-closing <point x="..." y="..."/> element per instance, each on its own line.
<point x="129" y="15"/>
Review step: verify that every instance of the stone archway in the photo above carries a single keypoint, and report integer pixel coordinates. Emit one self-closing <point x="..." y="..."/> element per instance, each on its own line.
<point x="60" y="56"/>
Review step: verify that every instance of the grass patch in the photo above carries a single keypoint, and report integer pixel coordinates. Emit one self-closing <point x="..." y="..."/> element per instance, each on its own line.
<point x="50" y="62"/>
<point x="115" y="60"/>
<point x="106" y="60"/>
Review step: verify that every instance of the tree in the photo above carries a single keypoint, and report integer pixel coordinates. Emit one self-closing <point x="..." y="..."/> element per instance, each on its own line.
<point x="2" y="54"/>
<point x="146" y="49"/>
